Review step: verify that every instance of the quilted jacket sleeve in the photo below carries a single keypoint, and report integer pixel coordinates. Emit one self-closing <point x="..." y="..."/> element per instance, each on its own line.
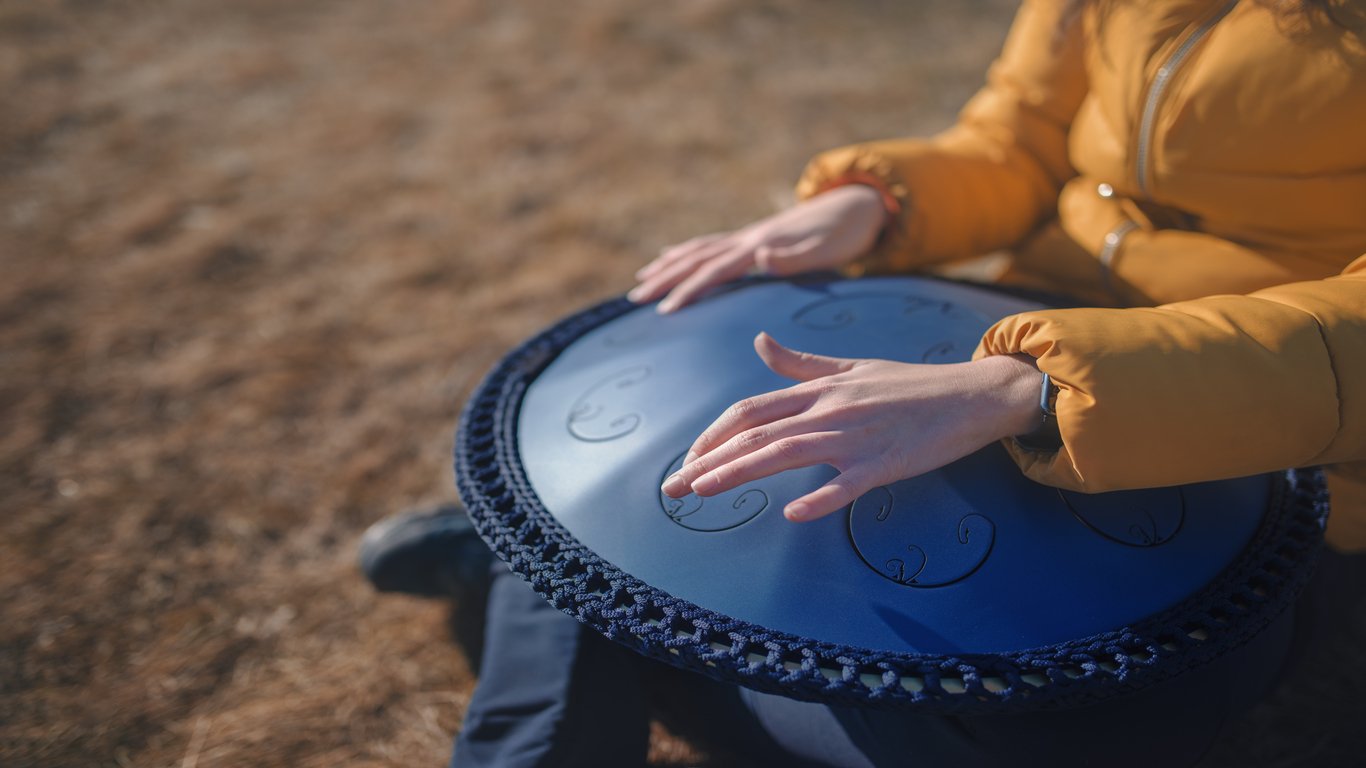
<point x="989" y="180"/>
<point x="1222" y="386"/>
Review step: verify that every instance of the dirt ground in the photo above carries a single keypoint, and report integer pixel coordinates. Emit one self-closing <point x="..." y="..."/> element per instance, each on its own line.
<point x="256" y="254"/>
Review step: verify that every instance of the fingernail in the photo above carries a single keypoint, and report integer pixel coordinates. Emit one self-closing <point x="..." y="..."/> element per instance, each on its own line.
<point x="675" y="486"/>
<point x="797" y="511"/>
<point x="690" y="458"/>
<point x="705" y="484"/>
<point x="664" y="307"/>
<point x="636" y="293"/>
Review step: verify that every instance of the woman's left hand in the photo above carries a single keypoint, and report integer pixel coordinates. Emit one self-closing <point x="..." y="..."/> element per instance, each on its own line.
<point x="875" y="421"/>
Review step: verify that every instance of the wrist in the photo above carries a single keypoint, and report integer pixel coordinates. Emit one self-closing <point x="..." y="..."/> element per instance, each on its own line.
<point x="873" y="190"/>
<point x="863" y="220"/>
<point x="864" y="200"/>
<point x="1015" y="382"/>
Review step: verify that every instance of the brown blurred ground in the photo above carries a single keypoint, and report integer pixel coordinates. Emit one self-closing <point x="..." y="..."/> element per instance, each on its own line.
<point x="255" y="255"/>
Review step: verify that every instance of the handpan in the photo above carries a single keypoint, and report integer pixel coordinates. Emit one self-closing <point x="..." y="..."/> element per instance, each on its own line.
<point x="969" y="588"/>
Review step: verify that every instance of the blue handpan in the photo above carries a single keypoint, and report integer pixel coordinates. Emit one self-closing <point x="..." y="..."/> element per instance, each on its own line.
<point x="970" y="588"/>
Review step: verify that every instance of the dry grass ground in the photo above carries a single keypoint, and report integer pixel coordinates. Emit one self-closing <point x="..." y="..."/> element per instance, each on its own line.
<point x="255" y="255"/>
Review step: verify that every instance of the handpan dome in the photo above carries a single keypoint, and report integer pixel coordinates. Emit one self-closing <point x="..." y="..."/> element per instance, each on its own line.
<point x="967" y="588"/>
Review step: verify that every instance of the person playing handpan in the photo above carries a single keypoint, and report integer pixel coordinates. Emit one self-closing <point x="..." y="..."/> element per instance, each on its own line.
<point x="1192" y="172"/>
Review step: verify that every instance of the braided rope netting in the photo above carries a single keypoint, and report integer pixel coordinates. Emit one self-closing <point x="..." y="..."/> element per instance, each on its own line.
<point x="1242" y="601"/>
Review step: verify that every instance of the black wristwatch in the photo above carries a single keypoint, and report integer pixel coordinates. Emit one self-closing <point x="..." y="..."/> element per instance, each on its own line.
<point x="1046" y="436"/>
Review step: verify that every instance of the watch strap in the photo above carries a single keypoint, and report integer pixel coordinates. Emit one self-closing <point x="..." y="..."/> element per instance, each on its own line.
<point x="1045" y="437"/>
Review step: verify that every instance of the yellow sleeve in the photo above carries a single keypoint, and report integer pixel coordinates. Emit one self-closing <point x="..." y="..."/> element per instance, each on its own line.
<point x="985" y="183"/>
<point x="1222" y="386"/>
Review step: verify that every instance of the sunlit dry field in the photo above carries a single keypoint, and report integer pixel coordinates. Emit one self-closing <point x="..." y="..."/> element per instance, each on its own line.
<point x="256" y="254"/>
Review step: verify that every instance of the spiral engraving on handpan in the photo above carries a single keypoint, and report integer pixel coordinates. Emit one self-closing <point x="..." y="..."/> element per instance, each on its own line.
<point x="598" y="416"/>
<point x="1144" y="518"/>
<point x="836" y="312"/>
<point x="714" y="513"/>
<point x="916" y="548"/>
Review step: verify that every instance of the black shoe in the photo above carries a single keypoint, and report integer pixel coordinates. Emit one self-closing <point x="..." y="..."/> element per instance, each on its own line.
<point x="428" y="552"/>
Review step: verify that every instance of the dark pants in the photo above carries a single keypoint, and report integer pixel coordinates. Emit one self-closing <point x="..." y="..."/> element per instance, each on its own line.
<point x="552" y="693"/>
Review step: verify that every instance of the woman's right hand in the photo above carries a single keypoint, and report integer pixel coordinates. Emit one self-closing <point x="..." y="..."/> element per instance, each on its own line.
<point x="824" y="232"/>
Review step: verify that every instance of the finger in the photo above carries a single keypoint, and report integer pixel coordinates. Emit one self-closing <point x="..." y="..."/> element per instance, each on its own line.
<point x="660" y="283"/>
<point x="840" y="492"/>
<point x="716" y="271"/>
<point x="779" y="456"/>
<point x="664" y="280"/>
<point x="675" y="252"/>
<point x="693" y="244"/>
<point x="802" y="366"/>
<point x="748" y="413"/>
<point x="672" y="254"/>
<point x="743" y="443"/>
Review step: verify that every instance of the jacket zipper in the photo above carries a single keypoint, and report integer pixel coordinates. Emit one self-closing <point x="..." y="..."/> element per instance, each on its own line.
<point x="1160" y="82"/>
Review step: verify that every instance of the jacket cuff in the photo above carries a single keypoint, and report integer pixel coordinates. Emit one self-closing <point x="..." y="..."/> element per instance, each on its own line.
<point x="1186" y="393"/>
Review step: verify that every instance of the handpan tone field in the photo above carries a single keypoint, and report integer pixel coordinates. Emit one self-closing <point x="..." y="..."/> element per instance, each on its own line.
<point x="970" y="573"/>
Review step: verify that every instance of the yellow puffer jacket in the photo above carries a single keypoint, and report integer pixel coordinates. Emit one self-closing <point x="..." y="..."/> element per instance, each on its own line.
<point x="1196" y="170"/>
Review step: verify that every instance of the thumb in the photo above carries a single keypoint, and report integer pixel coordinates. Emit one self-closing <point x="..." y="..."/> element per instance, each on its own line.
<point x="802" y="366"/>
